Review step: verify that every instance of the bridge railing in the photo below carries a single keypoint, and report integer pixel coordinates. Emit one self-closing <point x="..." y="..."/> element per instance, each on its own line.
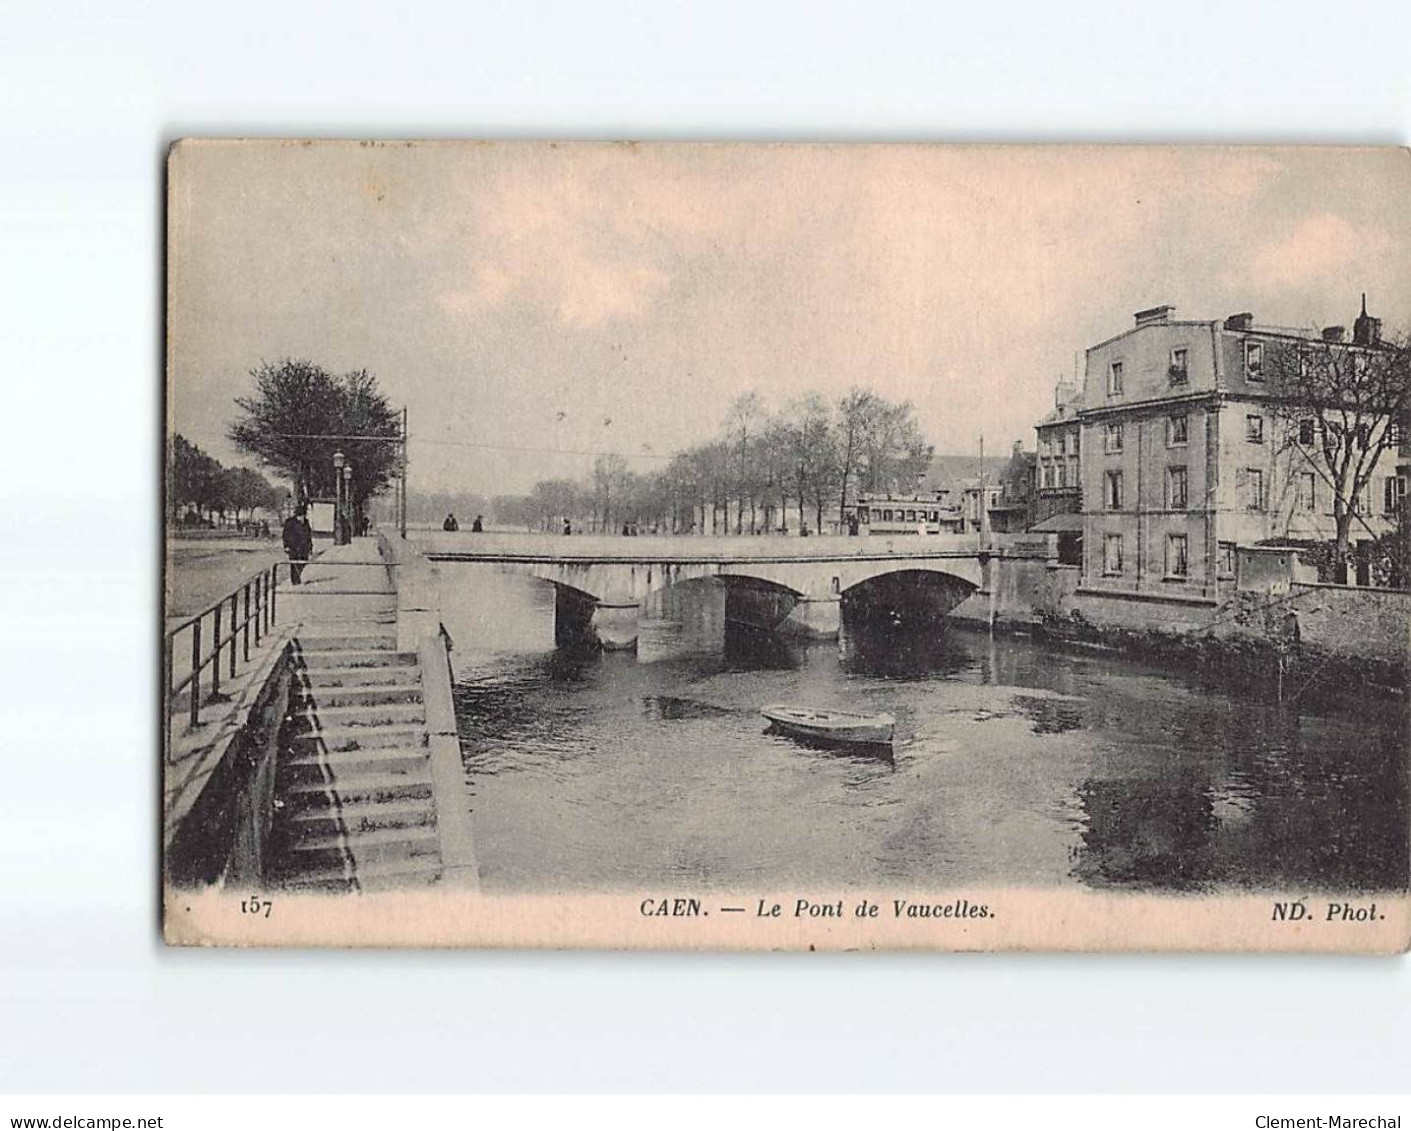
<point x="685" y="547"/>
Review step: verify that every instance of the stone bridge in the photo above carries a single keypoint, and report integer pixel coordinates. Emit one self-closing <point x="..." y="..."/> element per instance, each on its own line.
<point x="603" y="581"/>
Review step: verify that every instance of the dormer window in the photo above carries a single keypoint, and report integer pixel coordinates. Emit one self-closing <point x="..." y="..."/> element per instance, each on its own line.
<point x="1179" y="371"/>
<point x="1254" y="360"/>
<point x="1114" y="379"/>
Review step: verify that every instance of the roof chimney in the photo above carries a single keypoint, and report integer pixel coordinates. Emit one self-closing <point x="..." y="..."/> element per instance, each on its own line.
<point x="1366" y="331"/>
<point x="1017" y="450"/>
<point x="1156" y="316"/>
<point x="1334" y="333"/>
<point x="1241" y="321"/>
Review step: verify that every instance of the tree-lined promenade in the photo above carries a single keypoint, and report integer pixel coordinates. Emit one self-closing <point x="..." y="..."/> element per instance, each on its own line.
<point x="766" y="471"/>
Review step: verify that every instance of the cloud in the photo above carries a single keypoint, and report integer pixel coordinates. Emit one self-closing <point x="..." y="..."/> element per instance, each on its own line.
<point x="1317" y="249"/>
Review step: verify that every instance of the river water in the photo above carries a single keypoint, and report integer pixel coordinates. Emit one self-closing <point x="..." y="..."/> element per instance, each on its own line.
<point x="1015" y="763"/>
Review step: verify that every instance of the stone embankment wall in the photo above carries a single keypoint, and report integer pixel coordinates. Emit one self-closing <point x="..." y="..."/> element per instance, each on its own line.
<point x="1339" y="619"/>
<point x="1364" y="632"/>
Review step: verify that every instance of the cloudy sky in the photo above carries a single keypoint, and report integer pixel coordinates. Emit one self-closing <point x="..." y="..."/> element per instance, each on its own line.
<point x="531" y="301"/>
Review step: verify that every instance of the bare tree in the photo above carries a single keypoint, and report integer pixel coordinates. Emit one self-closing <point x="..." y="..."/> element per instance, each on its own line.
<point x="1341" y="407"/>
<point x="743" y="421"/>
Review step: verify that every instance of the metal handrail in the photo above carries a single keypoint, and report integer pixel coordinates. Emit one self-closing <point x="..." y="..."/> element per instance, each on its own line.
<point x="261" y="617"/>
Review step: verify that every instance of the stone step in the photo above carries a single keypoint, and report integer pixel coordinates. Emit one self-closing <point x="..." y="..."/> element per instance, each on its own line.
<point x="334" y="696"/>
<point x="410" y="848"/>
<point x="416" y="839"/>
<point x="316" y="678"/>
<point x="356" y="818"/>
<point x="334" y="766"/>
<point x="358" y="658"/>
<point x="373" y="877"/>
<point x="355" y="789"/>
<point x="346" y="642"/>
<point x="358" y="714"/>
<point x="371" y="737"/>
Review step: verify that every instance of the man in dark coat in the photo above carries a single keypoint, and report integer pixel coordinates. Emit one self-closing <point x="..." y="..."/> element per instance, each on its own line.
<point x="477" y="526"/>
<point x="450" y="524"/>
<point x="298" y="543"/>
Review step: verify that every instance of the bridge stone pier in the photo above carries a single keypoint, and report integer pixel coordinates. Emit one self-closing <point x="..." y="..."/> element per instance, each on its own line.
<point x="602" y="582"/>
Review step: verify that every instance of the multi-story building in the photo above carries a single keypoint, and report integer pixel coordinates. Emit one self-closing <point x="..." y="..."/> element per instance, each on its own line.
<point x="1186" y="454"/>
<point x="1059" y="490"/>
<point x="1014" y="511"/>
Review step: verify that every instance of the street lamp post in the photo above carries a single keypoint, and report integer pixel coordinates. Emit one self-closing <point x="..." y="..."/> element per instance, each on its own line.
<point x="348" y="502"/>
<point x="338" y="462"/>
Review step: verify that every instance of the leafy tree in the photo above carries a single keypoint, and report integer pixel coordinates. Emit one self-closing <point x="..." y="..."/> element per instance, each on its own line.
<point x="246" y="489"/>
<point x="192" y="476"/>
<point x="300" y="414"/>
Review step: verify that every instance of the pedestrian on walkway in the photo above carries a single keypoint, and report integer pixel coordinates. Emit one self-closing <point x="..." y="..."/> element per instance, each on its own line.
<point x="450" y="524"/>
<point x="298" y="543"/>
<point x="477" y="526"/>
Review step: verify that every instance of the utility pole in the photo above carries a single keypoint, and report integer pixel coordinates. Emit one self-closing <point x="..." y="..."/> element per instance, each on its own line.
<point x="402" y="484"/>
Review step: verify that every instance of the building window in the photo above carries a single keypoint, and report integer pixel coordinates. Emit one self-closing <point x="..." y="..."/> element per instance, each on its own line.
<point x="910" y="516"/>
<point x="1226" y="561"/>
<point x="1307" y="491"/>
<point x="1112" y="554"/>
<point x="935" y="516"/>
<point x="1394" y="433"/>
<point x="1114" y="379"/>
<point x="1177" y="563"/>
<point x="1393" y="494"/>
<point x="1112" y="441"/>
<point x="1179" y="370"/>
<point x="1044" y="445"/>
<point x="1254" y="429"/>
<point x="1254" y="360"/>
<point x="1176" y="488"/>
<point x="1047" y="480"/>
<point x="886" y="516"/>
<point x="1251" y="482"/>
<point x="876" y="515"/>
<point x="1113" y="490"/>
<point x="1177" y="430"/>
<point x="1306" y="431"/>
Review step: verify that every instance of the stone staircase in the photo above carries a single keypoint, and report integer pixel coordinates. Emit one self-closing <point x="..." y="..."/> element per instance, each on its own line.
<point x="354" y="801"/>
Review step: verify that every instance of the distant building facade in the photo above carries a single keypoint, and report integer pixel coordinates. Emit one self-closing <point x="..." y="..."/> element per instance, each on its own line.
<point x="1014" y="511"/>
<point x="1059" y="489"/>
<point x="1183" y="455"/>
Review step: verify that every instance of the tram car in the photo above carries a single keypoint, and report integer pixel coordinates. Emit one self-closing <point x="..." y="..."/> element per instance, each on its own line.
<point x="889" y="515"/>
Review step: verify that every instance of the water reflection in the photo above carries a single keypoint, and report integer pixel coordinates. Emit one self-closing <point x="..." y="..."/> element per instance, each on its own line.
<point x="1014" y="764"/>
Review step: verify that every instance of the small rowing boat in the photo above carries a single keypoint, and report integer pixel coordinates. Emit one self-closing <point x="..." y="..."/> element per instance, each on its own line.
<point x="830" y="726"/>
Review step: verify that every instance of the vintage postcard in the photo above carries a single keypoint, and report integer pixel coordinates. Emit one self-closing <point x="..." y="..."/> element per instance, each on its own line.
<point x="787" y="546"/>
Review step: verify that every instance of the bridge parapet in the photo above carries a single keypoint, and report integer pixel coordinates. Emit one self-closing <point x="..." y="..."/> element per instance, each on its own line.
<point x="441" y="545"/>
